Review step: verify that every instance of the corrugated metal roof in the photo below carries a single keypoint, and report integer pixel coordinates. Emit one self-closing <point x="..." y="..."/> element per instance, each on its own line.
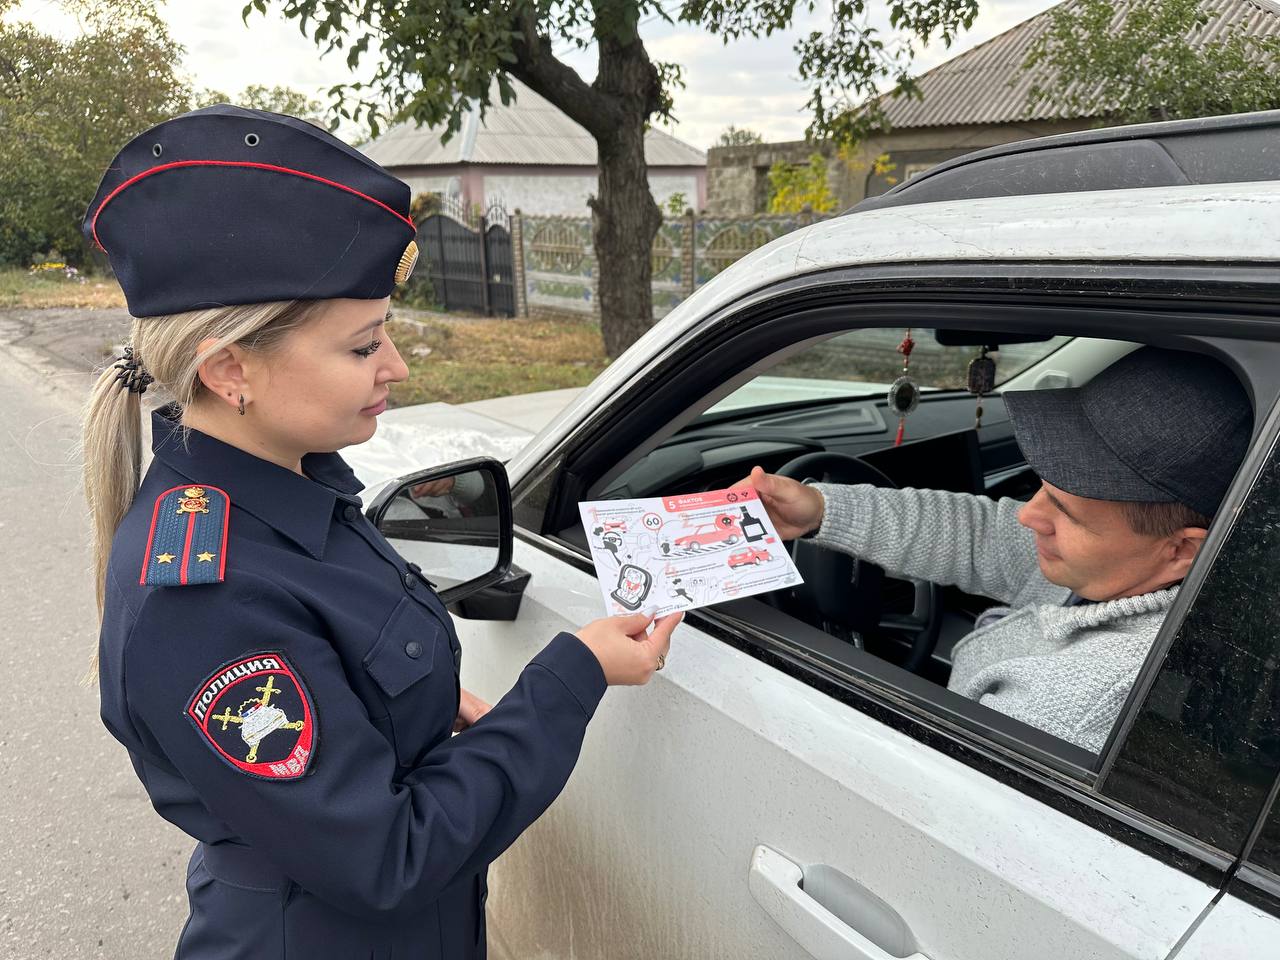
<point x="988" y="84"/>
<point x="529" y="131"/>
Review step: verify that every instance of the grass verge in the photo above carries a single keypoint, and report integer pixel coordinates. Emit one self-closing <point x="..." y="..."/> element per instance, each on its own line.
<point x="23" y="289"/>
<point x="457" y="360"/>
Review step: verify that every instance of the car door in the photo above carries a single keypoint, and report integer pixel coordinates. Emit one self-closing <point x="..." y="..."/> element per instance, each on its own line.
<point x="759" y="800"/>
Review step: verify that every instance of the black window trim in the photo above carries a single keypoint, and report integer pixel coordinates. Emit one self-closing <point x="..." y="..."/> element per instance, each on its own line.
<point x="1238" y="302"/>
<point x="1257" y="887"/>
<point x="1265" y="446"/>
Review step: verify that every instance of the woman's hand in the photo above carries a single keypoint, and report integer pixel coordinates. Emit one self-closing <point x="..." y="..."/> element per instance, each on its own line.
<point x="470" y="709"/>
<point x="794" y="508"/>
<point x="432" y="488"/>
<point x="628" y="652"/>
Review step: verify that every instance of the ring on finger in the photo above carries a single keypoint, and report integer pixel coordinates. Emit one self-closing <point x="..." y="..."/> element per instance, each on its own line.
<point x="662" y="662"/>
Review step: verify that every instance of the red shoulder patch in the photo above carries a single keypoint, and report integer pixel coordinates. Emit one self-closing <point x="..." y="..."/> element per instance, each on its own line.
<point x="256" y="713"/>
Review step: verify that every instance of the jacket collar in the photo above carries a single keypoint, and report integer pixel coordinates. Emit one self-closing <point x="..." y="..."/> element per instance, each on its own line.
<point x="298" y="507"/>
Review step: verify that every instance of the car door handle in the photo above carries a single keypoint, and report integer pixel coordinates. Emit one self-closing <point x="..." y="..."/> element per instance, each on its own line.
<point x="775" y="883"/>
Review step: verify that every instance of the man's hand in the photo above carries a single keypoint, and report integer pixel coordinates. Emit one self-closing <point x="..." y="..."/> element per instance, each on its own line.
<point x="794" y="508"/>
<point x="470" y="709"/>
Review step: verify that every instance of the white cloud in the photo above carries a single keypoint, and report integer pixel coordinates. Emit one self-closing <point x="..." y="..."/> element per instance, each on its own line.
<point x="748" y="83"/>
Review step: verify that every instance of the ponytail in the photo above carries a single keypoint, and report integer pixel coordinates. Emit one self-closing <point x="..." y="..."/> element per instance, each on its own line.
<point x="112" y="441"/>
<point x="166" y="350"/>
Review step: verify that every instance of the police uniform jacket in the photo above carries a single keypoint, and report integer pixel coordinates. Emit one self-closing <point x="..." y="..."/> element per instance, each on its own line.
<point x="286" y="687"/>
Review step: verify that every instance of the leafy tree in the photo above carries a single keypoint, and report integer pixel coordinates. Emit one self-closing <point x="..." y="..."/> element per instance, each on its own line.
<point x="732" y="136"/>
<point x="1153" y="65"/>
<point x="277" y="99"/>
<point x="65" y="109"/>
<point x="433" y="58"/>
<point x="794" y="186"/>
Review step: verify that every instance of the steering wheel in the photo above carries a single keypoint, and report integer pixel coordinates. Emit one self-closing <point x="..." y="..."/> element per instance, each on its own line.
<point x="844" y="592"/>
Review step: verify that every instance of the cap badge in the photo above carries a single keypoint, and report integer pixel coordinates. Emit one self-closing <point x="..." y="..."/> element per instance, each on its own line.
<point x="193" y="500"/>
<point x="408" y="260"/>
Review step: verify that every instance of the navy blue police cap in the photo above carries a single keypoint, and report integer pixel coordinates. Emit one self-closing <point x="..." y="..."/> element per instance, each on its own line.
<point x="226" y="205"/>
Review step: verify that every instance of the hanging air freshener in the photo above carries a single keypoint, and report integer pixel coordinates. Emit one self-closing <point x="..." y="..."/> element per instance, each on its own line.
<point x="904" y="393"/>
<point x="982" y="380"/>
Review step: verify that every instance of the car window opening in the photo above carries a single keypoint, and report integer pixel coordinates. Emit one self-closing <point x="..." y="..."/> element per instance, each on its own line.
<point x="999" y="607"/>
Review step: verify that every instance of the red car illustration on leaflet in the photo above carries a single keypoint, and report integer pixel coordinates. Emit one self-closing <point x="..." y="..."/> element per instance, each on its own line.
<point x="724" y="529"/>
<point x="750" y="555"/>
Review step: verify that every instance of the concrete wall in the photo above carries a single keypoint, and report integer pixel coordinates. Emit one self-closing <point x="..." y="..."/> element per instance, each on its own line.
<point x="737" y="177"/>
<point x="543" y="191"/>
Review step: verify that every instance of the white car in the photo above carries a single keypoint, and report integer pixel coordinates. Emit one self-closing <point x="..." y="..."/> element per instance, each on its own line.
<point x="798" y="781"/>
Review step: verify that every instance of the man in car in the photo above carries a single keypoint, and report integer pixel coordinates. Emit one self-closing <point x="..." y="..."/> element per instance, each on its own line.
<point x="1133" y="465"/>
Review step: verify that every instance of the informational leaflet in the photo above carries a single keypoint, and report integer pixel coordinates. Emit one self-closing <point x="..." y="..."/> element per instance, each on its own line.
<point x="663" y="554"/>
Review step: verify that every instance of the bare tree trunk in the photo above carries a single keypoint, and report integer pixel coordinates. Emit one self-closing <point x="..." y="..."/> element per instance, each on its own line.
<point x="625" y="222"/>
<point x="626" y="219"/>
<point x="614" y="110"/>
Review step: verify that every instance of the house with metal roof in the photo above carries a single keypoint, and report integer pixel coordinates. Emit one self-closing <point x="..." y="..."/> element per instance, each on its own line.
<point x="529" y="156"/>
<point x="977" y="99"/>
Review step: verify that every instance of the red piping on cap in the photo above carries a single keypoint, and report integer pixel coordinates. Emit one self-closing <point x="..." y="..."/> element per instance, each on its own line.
<point x="238" y="163"/>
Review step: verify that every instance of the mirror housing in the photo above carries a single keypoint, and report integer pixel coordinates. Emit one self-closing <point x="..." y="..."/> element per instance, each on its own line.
<point x="454" y="522"/>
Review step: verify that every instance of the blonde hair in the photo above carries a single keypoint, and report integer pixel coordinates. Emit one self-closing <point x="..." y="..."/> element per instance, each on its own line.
<point x="168" y="348"/>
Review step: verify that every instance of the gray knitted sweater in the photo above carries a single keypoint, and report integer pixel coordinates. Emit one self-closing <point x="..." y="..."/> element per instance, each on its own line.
<point x="1064" y="669"/>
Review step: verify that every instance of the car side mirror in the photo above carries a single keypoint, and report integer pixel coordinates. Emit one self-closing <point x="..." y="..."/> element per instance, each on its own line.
<point x="454" y="522"/>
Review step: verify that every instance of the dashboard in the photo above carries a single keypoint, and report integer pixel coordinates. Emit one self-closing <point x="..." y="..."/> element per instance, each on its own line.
<point x="942" y="450"/>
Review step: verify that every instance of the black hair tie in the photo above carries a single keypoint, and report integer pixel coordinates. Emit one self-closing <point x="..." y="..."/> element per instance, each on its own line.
<point x="130" y="374"/>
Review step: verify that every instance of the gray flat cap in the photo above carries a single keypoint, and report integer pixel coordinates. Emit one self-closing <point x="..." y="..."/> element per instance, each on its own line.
<point x="1160" y="426"/>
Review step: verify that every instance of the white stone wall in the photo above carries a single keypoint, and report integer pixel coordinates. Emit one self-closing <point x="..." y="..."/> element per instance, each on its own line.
<point x="447" y="186"/>
<point x="663" y="186"/>
<point x="566" y="195"/>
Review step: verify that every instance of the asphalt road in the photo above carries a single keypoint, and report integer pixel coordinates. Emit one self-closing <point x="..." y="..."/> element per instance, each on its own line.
<point x="87" y="868"/>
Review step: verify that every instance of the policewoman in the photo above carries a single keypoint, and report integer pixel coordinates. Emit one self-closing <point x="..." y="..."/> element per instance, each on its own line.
<point x="285" y="684"/>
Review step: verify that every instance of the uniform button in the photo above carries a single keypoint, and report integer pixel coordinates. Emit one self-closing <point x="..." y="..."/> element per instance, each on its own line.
<point x="413" y="648"/>
<point x="350" y="514"/>
<point x="410" y="581"/>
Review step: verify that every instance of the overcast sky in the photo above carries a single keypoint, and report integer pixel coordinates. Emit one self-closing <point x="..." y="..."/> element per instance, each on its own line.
<point x="748" y="83"/>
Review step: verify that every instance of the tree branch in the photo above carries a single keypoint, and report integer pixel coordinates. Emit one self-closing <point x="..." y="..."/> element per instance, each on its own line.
<point x="537" y="67"/>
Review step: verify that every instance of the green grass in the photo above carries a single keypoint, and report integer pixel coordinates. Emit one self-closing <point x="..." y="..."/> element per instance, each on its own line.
<point x="22" y="289"/>
<point x="477" y="358"/>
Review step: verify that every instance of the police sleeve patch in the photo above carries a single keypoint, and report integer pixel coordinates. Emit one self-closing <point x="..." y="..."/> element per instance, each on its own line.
<point x="188" y="538"/>
<point x="256" y="714"/>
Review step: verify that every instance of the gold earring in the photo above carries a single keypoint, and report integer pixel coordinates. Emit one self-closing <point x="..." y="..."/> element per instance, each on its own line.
<point x="241" y="405"/>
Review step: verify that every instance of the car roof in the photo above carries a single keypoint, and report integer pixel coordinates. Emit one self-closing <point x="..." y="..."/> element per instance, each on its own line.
<point x="1231" y="223"/>
<point x="1193" y="224"/>
<point x="1228" y="149"/>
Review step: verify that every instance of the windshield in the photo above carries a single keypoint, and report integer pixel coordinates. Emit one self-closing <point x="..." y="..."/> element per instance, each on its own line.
<point x="865" y="362"/>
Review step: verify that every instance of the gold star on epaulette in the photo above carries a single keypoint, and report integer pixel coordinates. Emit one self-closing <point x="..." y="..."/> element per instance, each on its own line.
<point x="165" y="557"/>
<point x="205" y="557"/>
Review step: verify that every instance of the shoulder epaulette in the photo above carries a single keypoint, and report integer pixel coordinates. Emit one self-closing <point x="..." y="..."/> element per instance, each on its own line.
<point x="187" y="542"/>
